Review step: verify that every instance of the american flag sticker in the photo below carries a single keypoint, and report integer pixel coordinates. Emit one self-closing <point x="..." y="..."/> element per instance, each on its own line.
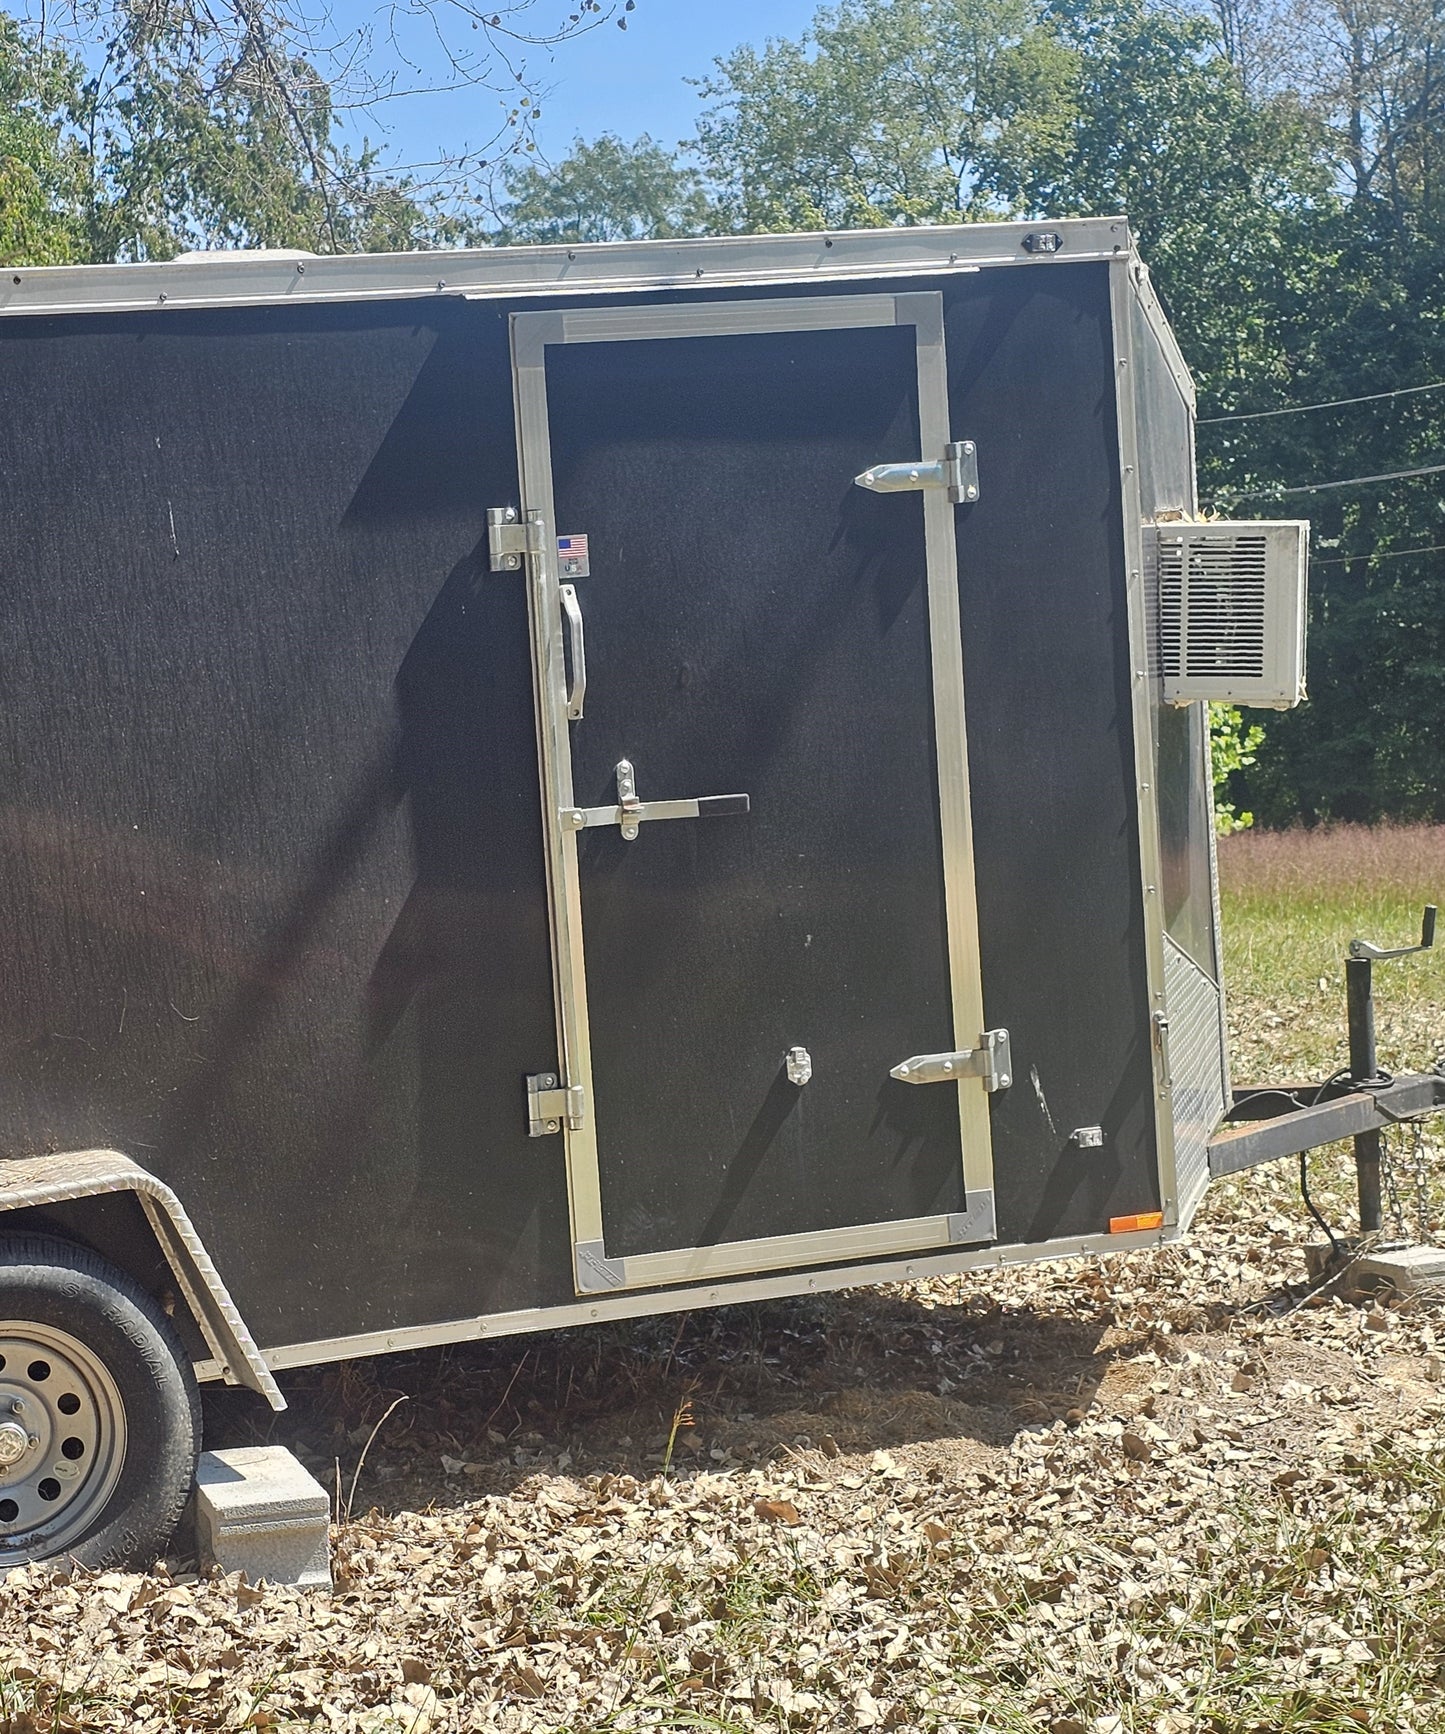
<point x="572" y="556"/>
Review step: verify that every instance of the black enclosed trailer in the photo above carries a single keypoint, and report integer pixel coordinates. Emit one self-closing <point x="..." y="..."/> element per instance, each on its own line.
<point x="557" y="784"/>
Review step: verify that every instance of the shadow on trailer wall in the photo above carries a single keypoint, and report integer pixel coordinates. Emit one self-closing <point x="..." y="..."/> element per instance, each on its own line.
<point x="272" y="839"/>
<point x="272" y="827"/>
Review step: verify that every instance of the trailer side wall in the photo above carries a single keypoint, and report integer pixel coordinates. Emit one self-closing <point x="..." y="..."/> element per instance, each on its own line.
<point x="276" y="917"/>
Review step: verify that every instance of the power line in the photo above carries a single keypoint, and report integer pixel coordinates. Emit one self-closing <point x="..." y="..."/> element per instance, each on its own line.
<point x="1390" y="554"/>
<point x="1333" y="403"/>
<point x="1347" y="482"/>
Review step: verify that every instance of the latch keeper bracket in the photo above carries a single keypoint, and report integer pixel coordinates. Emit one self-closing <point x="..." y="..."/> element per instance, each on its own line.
<point x="550" y="1104"/>
<point x="510" y="537"/>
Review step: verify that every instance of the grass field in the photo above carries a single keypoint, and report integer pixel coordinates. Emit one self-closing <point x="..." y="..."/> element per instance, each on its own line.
<point x="1292" y="901"/>
<point x="1178" y="1490"/>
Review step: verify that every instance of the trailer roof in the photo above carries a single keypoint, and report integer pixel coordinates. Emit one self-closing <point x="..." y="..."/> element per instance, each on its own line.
<point x="271" y="277"/>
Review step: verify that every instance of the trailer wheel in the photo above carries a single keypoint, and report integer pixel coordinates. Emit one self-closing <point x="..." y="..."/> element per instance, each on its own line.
<point x="99" y="1411"/>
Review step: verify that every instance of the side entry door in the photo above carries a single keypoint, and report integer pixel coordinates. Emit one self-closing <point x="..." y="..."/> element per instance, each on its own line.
<point x="749" y="688"/>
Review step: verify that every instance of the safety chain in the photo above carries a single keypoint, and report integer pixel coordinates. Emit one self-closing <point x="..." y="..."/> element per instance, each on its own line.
<point x="1411" y="1148"/>
<point x="1391" y="1185"/>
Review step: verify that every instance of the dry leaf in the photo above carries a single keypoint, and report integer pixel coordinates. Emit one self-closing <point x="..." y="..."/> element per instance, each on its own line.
<point x="525" y="1680"/>
<point x="777" y="1510"/>
<point x="867" y="1711"/>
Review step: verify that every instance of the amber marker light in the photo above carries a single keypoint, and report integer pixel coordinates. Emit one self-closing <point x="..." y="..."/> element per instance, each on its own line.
<point x="1134" y="1224"/>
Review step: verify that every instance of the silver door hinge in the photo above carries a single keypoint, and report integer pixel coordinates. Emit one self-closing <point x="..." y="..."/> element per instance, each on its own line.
<point x="549" y="1105"/>
<point x="990" y="1060"/>
<point x="957" y="471"/>
<point x="510" y="537"/>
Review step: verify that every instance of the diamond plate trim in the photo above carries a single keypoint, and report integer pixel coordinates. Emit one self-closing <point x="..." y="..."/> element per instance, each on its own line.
<point x="1196" y="1055"/>
<point x="30" y="1182"/>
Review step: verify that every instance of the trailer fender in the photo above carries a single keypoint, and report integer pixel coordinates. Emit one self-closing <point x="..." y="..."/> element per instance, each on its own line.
<point x="33" y="1182"/>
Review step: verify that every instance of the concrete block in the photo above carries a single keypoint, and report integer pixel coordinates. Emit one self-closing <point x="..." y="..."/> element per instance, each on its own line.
<point x="1409" y="1270"/>
<point x="1320" y="1260"/>
<point x="258" y="1511"/>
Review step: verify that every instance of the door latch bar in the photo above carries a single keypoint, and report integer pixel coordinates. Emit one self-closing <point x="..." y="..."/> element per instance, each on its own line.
<point x="957" y="471"/>
<point x="550" y="1105"/>
<point x="630" y="812"/>
<point x="991" y="1061"/>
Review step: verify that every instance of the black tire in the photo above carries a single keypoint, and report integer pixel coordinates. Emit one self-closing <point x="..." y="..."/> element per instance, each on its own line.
<point x="134" y="1360"/>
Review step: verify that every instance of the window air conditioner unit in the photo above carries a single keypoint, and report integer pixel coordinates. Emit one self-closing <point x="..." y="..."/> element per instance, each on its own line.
<point x="1230" y="611"/>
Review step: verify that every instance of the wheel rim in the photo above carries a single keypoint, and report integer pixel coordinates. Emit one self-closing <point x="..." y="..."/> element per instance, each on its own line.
<point x="62" y="1439"/>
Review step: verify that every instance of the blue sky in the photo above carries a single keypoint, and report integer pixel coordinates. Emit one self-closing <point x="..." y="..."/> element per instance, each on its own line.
<point x="608" y="80"/>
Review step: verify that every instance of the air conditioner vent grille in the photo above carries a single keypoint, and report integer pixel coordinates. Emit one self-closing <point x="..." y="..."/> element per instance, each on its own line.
<point x="1230" y="611"/>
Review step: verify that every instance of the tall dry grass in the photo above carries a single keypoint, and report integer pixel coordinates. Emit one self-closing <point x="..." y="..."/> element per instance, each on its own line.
<point x="1292" y="902"/>
<point x="1335" y="861"/>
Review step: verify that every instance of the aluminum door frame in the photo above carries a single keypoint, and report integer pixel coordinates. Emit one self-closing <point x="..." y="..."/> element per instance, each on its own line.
<point x="532" y="334"/>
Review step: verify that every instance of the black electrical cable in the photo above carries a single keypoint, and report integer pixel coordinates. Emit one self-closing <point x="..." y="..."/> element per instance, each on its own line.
<point x="1338" y="1077"/>
<point x="1321" y="487"/>
<point x="1290" y="1096"/>
<point x="1304" y="1192"/>
<point x="1388" y="554"/>
<point x="1330" y="403"/>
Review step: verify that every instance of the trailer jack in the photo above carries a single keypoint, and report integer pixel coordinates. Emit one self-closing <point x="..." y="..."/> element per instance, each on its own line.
<point x="1360" y="1102"/>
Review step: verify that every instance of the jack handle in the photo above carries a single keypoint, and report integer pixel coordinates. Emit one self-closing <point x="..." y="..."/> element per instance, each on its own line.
<point x="1376" y="954"/>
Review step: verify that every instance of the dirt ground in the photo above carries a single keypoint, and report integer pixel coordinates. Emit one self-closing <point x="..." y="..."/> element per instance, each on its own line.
<point x="1177" y="1490"/>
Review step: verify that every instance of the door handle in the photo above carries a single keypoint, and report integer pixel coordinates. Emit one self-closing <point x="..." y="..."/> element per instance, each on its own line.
<point x="577" y="646"/>
<point x="630" y="812"/>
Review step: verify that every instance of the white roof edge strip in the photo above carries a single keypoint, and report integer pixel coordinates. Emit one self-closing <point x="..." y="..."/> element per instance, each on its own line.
<point x="239" y="279"/>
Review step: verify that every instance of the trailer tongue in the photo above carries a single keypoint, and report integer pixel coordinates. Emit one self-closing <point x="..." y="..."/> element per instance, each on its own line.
<point x="1361" y="1102"/>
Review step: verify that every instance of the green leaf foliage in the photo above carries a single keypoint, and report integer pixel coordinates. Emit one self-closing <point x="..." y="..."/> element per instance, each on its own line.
<point x="154" y="148"/>
<point x="41" y="170"/>
<point x="605" y="190"/>
<point x="917" y="111"/>
<point x="1234" y="743"/>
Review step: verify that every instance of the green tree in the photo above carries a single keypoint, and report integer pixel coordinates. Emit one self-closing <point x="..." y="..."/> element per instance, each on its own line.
<point x="40" y="168"/>
<point x="143" y="127"/>
<point x="277" y="78"/>
<point x="938" y="110"/>
<point x="137" y="157"/>
<point x="1364" y="315"/>
<point x="1222" y="188"/>
<point x="907" y="112"/>
<point x="1234" y="743"/>
<point x="602" y="190"/>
